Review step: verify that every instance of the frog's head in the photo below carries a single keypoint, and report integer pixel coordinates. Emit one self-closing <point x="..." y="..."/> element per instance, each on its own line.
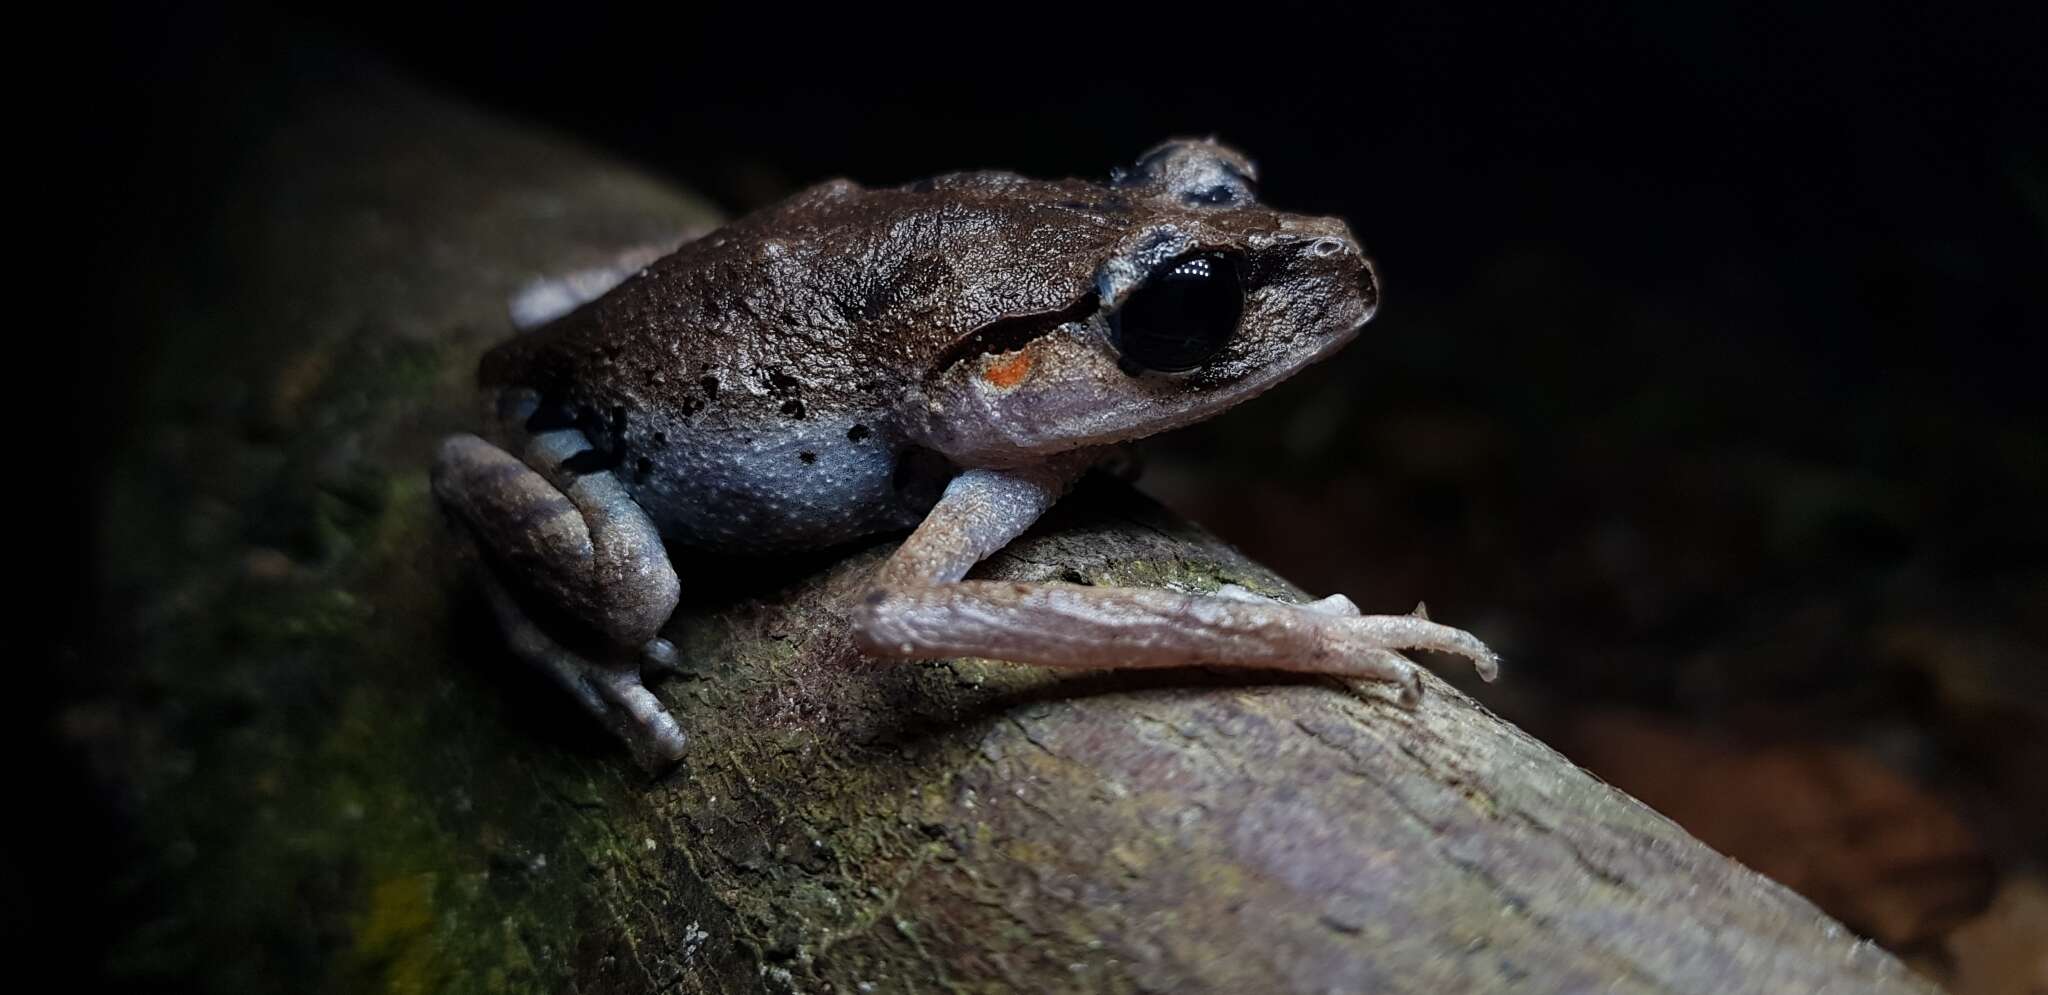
<point x="1186" y="296"/>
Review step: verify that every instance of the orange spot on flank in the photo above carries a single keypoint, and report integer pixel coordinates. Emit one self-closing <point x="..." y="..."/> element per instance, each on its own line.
<point x="1009" y="372"/>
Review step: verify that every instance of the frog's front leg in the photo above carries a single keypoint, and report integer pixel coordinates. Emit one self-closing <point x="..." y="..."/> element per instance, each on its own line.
<point x="577" y="551"/>
<point x="920" y="607"/>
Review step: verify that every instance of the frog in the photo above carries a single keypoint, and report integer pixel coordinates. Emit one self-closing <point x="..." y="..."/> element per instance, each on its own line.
<point x="942" y="359"/>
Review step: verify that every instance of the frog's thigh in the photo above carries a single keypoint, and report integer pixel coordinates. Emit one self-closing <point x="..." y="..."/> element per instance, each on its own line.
<point x="586" y="550"/>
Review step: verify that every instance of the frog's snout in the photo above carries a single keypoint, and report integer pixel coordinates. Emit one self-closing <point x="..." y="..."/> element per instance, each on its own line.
<point x="1368" y="288"/>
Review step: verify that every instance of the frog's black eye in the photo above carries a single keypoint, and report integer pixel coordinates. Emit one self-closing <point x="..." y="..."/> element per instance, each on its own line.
<point x="1179" y="318"/>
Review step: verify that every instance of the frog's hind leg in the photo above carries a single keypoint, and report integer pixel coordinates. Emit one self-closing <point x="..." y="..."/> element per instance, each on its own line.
<point x="577" y="552"/>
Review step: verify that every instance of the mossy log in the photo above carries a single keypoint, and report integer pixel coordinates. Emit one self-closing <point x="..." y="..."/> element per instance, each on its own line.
<point x="342" y="782"/>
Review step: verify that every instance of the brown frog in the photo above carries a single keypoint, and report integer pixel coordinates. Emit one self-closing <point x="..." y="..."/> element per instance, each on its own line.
<point x="948" y="355"/>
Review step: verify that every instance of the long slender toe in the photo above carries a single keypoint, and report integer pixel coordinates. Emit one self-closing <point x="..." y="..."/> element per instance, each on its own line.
<point x="644" y="722"/>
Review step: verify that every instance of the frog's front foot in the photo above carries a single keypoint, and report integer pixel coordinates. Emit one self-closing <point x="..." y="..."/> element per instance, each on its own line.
<point x="1335" y="604"/>
<point x="921" y="607"/>
<point x="1385" y="663"/>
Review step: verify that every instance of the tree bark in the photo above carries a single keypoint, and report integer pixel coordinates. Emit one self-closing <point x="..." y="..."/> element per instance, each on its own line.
<point x="340" y="780"/>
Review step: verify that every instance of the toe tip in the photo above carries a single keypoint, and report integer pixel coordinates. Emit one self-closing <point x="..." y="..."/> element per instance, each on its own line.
<point x="1488" y="667"/>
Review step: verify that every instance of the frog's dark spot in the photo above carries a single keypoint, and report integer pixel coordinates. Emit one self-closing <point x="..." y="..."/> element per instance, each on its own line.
<point x="589" y="461"/>
<point x="710" y="385"/>
<point x="807" y="457"/>
<point x="794" y="407"/>
<point x="783" y="385"/>
<point x="660" y="440"/>
<point x="550" y="415"/>
<point x="642" y="467"/>
<point x="606" y="437"/>
<point x="690" y="405"/>
<point x="857" y="433"/>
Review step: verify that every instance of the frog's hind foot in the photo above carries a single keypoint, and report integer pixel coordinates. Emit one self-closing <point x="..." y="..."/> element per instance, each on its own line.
<point x="611" y="692"/>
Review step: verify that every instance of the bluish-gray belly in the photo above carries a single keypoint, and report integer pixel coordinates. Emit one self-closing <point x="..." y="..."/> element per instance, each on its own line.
<point x="815" y="486"/>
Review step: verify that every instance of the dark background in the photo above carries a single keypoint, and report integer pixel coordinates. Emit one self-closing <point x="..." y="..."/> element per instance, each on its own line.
<point x="1708" y="383"/>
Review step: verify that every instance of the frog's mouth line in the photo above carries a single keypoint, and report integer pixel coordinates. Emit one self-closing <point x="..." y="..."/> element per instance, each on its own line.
<point x="1009" y="335"/>
<point x="1200" y="405"/>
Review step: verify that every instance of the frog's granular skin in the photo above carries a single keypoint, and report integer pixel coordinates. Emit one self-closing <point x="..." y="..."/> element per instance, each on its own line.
<point x="814" y="372"/>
